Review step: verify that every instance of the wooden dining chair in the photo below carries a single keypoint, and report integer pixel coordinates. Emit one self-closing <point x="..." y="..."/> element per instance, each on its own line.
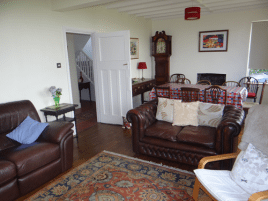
<point x="163" y="92"/>
<point x="252" y="85"/>
<point x="231" y="84"/>
<point x="204" y="82"/>
<point x="184" y="81"/>
<point x="248" y="105"/>
<point x="174" y="77"/>
<point x="215" y="92"/>
<point x="189" y="94"/>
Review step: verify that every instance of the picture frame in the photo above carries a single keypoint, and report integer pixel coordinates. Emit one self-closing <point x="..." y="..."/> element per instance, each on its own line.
<point x="213" y="41"/>
<point x="134" y="48"/>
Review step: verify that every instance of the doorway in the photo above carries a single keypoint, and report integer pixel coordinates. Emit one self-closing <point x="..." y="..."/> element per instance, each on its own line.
<point x="80" y="60"/>
<point x="112" y="75"/>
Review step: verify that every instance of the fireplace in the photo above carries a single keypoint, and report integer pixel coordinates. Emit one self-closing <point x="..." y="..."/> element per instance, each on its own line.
<point x="214" y="78"/>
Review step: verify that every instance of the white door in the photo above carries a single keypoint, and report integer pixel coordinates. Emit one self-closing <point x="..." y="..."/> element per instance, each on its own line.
<point x="112" y="76"/>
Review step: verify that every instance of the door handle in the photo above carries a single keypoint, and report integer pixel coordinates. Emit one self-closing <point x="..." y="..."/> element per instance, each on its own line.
<point x="124" y="64"/>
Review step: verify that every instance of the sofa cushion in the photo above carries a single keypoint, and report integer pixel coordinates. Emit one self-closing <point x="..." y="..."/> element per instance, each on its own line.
<point x="209" y="114"/>
<point x="8" y="171"/>
<point x="30" y="157"/>
<point x="28" y="131"/>
<point x="165" y="109"/>
<point x="201" y="135"/>
<point x="185" y="114"/>
<point x="163" y="130"/>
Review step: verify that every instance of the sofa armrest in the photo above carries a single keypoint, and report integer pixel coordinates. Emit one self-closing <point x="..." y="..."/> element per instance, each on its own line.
<point x="141" y="118"/>
<point x="228" y="129"/>
<point x="56" y="131"/>
<point x="61" y="133"/>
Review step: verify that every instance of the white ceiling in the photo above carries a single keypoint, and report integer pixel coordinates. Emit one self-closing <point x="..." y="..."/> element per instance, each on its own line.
<point x="162" y="9"/>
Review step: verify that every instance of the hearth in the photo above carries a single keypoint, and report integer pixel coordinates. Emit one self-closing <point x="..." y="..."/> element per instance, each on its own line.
<point x="214" y="78"/>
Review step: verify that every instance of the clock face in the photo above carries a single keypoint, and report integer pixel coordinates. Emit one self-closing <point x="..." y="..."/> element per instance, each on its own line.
<point x="160" y="46"/>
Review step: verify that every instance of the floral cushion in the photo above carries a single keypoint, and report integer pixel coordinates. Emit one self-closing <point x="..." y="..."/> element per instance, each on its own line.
<point x="209" y="114"/>
<point x="185" y="114"/>
<point x="165" y="109"/>
<point x="250" y="170"/>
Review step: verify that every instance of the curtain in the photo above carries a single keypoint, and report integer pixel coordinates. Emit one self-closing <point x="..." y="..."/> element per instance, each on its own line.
<point x="258" y="54"/>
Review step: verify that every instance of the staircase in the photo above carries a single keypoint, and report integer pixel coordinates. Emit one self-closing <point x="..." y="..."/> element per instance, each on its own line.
<point x="85" y="65"/>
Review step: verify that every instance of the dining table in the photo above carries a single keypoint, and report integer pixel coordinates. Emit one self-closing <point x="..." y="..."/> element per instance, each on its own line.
<point x="235" y="95"/>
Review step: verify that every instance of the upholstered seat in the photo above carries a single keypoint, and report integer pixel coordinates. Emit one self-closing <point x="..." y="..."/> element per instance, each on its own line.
<point x="163" y="130"/>
<point x="218" y="182"/>
<point x="191" y="135"/>
<point x="22" y="156"/>
<point x="251" y="95"/>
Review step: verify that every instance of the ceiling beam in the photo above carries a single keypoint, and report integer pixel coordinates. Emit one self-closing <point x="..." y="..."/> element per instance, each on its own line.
<point x="158" y="5"/>
<point x="123" y="4"/>
<point x="67" y="5"/>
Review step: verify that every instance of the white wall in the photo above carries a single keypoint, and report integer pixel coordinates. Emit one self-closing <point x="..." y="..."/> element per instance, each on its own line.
<point x="185" y="34"/>
<point x="88" y="49"/>
<point x="72" y="68"/>
<point x="80" y="40"/>
<point x="32" y="42"/>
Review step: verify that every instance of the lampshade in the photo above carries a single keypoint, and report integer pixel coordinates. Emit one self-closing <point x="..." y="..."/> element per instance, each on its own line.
<point x="192" y="13"/>
<point x="142" y="65"/>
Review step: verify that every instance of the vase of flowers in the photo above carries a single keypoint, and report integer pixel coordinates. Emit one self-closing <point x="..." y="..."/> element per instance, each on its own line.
<point x="56" y="93"/>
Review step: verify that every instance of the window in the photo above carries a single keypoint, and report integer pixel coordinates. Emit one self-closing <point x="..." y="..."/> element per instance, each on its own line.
<point x="260" y="74"/>
<point x="258" y="60"/>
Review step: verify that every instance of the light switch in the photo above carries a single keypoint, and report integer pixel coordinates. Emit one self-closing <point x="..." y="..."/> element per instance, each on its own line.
<point x="58" y="65"/>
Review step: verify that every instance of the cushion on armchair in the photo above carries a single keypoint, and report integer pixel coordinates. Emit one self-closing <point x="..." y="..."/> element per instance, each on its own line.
<point x="28" y="131"/>
<point x="220" y="185"/>
<point x="256" y="123"/>
<point x="250" y="170"/>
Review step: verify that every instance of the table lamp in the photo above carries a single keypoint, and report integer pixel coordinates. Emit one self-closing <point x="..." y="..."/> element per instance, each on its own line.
<point x="142" y="65"/>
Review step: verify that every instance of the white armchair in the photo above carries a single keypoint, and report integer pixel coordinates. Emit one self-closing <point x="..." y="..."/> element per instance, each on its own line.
<point x="248" y="180"/>
<point x="219" y="185"/>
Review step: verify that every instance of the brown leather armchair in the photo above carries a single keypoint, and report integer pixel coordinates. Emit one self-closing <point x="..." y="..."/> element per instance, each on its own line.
<point x="188" y="144"/>
<point x="24" y="168"/>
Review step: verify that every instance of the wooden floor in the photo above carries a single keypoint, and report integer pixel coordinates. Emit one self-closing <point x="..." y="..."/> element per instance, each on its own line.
<point x="110" y="138"/>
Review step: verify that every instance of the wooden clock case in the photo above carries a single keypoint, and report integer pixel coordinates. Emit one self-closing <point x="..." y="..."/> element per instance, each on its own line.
<point x="162" y="58"/>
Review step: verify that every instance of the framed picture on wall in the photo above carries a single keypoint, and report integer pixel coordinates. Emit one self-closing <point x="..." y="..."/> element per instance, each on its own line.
<point x="134" y="48"/>
<point x="213" y="41"/>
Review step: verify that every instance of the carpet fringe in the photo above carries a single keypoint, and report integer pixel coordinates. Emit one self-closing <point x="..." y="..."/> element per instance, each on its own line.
<point x="149" y="162"/>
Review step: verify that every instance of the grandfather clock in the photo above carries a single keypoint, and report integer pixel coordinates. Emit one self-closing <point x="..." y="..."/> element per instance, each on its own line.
<point x="161" y="50"/>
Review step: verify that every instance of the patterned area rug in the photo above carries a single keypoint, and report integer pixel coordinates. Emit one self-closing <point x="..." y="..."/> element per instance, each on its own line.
<point x="85" y="120"/>
<point x="113" y="177"/>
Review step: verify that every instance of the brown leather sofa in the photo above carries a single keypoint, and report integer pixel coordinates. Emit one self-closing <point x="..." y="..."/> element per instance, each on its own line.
<point x="24" y="168"/>
<point x="151" y="137"/>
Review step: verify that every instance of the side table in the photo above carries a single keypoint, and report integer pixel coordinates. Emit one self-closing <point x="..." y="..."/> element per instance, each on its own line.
<point x="141" y="86"/>
<point x="84" y="85"/>
<point x="62" y="110"/>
